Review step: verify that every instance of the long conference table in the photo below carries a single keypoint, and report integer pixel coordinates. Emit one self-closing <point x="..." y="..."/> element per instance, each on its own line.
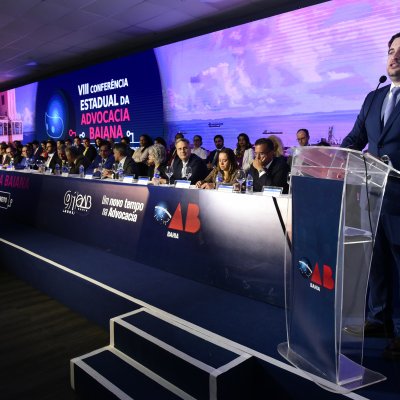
<point x="233" y="241"/>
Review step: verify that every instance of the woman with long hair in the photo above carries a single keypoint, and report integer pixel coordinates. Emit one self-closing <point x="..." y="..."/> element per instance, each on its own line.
<point x="244" y="152"/>
<point x="226" y="166"/>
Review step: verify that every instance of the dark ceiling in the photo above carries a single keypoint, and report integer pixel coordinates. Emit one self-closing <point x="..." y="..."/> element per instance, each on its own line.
<point x="39" y="38"/>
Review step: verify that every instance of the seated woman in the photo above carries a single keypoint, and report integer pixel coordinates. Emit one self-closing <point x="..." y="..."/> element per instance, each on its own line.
<point x="244" y="152"/>
<point x="157" y="160"/>
<point x="226" y="166"/>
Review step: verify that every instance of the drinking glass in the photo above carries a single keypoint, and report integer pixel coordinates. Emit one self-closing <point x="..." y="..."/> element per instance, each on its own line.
<point x="188" y="172"/>
<point x="169" y="172"/>
<point x="240" y="178"/>
<point x="40" y="164"/>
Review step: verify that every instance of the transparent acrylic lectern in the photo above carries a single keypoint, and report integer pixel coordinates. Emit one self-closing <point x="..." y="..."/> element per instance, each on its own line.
<point x="336" y="202"/>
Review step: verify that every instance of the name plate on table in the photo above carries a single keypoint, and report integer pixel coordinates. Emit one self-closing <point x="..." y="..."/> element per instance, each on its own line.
<point x="143" y="180"/>
<point x="272" y="190"/>
<point x="89" y="176"/>
<point x="182" y="184"/>
<point x="128" y="179"/>
<point x="225" y="188"/>
<point x="65" y="174"/>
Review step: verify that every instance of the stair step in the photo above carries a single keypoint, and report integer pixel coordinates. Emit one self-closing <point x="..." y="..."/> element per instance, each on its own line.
<point x="182" y="356"/>
<point x="108" y="374"/>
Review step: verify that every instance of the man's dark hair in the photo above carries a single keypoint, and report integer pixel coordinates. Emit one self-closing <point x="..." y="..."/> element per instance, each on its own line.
<point x="74" y="151"/>
<point x="218" y="137"/>
<point x="265" y="141"/>
<point x="121" y="148"/>
<point x="105" y="143"/>
<point x="198" y="136"/>
<point x="148" y="140"/>
<point x="397" y="35"/>
<point x="305" y="131"/>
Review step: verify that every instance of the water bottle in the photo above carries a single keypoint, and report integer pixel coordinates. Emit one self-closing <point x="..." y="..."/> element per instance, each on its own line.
<point x="57" y="169"/>
<point x="219" y="179"/>
<point x="120" y="172"/>
<point x="11" y="165"/>
<point x="249" y="184"/>
<point x="81" y="171"/>
<point x="156" y="178"/>
<point x="64" y="168"/>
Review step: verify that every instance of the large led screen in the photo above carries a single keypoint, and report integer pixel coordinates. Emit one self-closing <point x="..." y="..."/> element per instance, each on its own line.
<point x="309" y="68"/>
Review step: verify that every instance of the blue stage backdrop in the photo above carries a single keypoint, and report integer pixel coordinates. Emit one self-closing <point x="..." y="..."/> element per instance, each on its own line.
<point x="109" y="100"/>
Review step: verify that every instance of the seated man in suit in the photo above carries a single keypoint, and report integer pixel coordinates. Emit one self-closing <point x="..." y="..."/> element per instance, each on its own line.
<point x="121" y="157"/>
<point x="52" y="158"/>
<point x="27" y="152"/>
<point x="12" y="157"/>
<point x="105" y="158"/>
<point x="186" y="159"/>
<point x="78" y="144"/>
<point x="212" y="159"/>
<point x="266" y="169"/>
<point x="76" y="159"/>
<point x="90" y="151"/>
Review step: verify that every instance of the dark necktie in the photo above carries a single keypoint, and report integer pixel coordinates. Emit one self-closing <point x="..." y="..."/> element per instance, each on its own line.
<point x="391" y="104"/>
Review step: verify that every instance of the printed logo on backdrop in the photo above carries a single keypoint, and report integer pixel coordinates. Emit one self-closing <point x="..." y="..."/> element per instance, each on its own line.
<point x="77" y="203"/>
<point x="177" y="222"/>
<point x="122" y="209"/>
<point x="5" y="200"/>
<point x="314" y="275"/>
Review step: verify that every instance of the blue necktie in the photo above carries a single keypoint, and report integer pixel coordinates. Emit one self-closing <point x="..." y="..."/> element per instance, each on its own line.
<point x="391" y="104"/>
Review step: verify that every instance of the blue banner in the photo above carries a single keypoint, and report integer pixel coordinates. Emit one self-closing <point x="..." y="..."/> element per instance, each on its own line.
<point x="187" y="232"/>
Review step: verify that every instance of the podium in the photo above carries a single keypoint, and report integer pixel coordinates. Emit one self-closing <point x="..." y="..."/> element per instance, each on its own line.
<point x="336" y="202"/>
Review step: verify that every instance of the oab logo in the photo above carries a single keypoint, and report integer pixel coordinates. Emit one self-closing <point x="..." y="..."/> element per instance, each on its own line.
<point x="178" y="222"/>
<point x="316" y="279"/>
<point x="75" y="202"/>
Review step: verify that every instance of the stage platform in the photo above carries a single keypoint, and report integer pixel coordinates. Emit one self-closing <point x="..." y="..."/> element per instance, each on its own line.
<point x="102" y="285"/>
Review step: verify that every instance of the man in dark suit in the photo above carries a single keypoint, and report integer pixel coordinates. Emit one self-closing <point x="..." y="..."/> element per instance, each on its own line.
<point x="52" y="158"/>
<point x="212" y="159"/>
<point x="266" y="169"/>
<point x="186" y="159"/>
<point x="105" y="158"/>
<point x="90" y="151"/>
<point x="76" y="159"/>
<point x="78" y="144"/>
<point x="380" y="128"/>
<point x="37" y="149"/>
<point x="121" y="157"/>
<point x="26" y="154"/>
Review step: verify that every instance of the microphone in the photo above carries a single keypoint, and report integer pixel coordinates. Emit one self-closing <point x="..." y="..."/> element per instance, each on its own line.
<point x="382" y="79"/>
